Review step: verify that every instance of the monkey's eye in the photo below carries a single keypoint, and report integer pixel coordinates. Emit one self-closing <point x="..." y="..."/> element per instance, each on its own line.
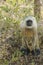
<point x="29" y="22"/>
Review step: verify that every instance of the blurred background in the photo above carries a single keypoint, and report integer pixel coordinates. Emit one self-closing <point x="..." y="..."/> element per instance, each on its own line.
<point x="12" y="12"/>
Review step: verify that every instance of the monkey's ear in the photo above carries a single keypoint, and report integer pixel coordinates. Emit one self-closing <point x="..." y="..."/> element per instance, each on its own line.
<point x="22" y="24"/>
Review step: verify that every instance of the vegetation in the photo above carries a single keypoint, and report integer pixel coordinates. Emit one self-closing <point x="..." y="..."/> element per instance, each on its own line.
<point x="11" y="13"/>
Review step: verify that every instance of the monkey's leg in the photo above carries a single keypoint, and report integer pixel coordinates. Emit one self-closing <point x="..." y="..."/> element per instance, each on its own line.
<point x="25" y="48"/>
<point x="36" y="40"/>
<point x="36" y="43"/>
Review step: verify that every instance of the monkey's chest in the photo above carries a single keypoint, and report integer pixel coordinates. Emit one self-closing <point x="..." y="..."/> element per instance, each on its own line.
<point x="28" y="38"/>
<point x="28" y="33"/>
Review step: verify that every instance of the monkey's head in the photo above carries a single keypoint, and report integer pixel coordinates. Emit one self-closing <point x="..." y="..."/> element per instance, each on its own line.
<point x="28" y="22"/>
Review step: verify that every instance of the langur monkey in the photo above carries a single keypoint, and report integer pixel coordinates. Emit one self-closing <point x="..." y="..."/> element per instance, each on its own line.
<point x="28" y="28"/>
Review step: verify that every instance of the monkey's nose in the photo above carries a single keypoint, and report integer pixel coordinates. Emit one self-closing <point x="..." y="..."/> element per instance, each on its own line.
<point x="29" y="22"/>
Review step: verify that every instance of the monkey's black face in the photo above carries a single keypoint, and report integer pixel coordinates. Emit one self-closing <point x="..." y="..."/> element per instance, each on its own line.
<point x="29" y="22"/>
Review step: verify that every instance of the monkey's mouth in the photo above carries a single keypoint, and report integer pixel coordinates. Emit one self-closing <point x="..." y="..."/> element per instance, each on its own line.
<point x="29" y="27"/>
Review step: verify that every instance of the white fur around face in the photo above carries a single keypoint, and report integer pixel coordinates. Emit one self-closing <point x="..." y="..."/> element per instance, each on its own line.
<point x="23" y="23"/>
